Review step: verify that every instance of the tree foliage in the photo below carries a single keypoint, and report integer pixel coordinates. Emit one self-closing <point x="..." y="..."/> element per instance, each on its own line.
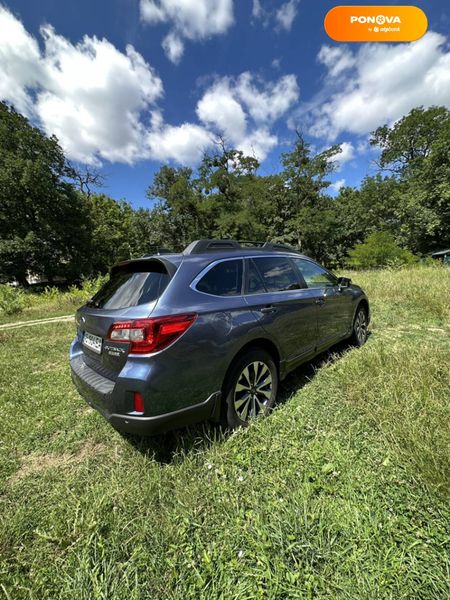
<point x="42" y="218"/>
<point x="410" y="140"/>
<point x="52" y="223"/>
<point x="379" y="250"/>
<point x="417" y="150"/>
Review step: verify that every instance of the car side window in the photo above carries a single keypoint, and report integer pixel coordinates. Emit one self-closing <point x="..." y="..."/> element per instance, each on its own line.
<point x="277" y="274"/>
<point x="224" y="279"/>
<point x="314" y="275"/>
<point x="255" y="284"/>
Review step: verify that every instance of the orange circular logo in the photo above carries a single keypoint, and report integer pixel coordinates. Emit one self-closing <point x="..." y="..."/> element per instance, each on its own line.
<point x="375" y="23"/>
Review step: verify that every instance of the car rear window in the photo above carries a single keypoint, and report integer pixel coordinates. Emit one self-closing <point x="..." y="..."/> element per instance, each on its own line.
<point x="224" y="279"/>
<point x="127" y="288"/>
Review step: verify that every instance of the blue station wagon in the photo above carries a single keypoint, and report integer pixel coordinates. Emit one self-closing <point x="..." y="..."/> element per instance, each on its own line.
<point x="173" y="339"/>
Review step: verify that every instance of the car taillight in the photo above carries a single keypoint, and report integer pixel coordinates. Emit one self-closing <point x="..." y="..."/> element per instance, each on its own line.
<point x="151" y="335"/>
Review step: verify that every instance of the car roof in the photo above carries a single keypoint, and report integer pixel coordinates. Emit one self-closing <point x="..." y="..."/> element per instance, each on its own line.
<point x="212" y="256"/>
<point x="204" y="252"/>
<point x="217" y="249"/>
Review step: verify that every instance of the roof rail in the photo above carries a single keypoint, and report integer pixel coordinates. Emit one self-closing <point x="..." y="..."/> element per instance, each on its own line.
<point x="268" y="246"/>
<point x="201" y="246"/>
<point x="253" y="243"/>
<point x="281" y="247"/>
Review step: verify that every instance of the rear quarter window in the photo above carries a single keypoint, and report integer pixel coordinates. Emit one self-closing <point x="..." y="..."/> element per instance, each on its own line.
<point x="223" y="279"/>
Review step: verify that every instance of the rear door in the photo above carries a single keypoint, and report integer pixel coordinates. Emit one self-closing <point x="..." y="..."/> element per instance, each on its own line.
<point x="286" y="308"/>
<point x="334" y="303"/>
<point x="131" y="293"/>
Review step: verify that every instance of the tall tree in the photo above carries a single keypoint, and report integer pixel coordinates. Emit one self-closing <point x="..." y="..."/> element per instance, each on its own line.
<point x="227" y="177"/>
<point x="177" y="207"/>
<point x="113" y="232"/>
<point x="417" y="151"/>
<point x="304" y="177"/>
<point x="409" y="141"/>
<point x="43" y="221"/>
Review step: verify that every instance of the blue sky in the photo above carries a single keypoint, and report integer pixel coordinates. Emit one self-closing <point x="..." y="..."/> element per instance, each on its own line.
<point x="133" y="84"/>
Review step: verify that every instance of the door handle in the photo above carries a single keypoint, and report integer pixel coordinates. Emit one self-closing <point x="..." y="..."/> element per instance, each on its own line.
<point x="320" y="301"/>
<point x="268" y="309"/>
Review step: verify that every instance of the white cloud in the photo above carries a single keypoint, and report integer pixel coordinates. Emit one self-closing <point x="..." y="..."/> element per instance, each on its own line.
<point x="225" y="109"/>
<point x="337" y="185"/>
<point x="271" y="100"/>
<point x="243" y="109"/>
<point x="347" y="153"/>
<point x="364" y="146"/>
<point x="384" y="83"/>
<point x="276" y="63"/>
<point x="219" y="108"/>
<point x="257" y="9"/>
<point x="286" y="14"/>
<point x="188" y="19"/>
<point x="19" y="62"/>
<point x="283" y="17"/>
<point x="173" y="46"/>
<point x="103" y="104"/>
<point x="89" y="95"/>
<point x="258" y="143"/>
<point x="336" y="58"/>
<point x="184" y="144"/>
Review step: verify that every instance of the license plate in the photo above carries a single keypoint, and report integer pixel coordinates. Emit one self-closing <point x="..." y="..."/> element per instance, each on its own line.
<point x="93" y="342"/>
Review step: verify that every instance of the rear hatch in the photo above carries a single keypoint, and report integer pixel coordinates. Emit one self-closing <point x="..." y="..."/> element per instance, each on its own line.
<point x="132" y="292"/>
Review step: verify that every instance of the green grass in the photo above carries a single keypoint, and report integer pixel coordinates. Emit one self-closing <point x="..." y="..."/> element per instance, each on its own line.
<point x="19" y="305"/>
<point x="41" y="311"/>
<point x="341" y="493"/>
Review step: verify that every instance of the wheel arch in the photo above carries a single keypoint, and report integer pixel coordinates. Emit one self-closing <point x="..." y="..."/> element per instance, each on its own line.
<point x="363" y="302"/>
<point x="259" y="344"/>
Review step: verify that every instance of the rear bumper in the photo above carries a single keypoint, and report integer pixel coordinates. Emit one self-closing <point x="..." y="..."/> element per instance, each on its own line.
<point x="99" y="392"/>
<point x="165" y="422"/>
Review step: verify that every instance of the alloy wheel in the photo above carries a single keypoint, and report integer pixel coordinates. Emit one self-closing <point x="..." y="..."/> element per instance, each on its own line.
<point x="361" y="327"/>
<point x="253" y="390"/>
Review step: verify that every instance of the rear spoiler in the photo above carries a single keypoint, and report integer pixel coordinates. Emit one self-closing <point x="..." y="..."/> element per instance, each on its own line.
<point x="157" y="264"/>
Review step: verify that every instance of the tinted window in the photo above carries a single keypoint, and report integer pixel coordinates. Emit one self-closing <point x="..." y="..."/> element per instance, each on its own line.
<point x="255" y="284"/>
<point x="126" y="289"/>
<point x="224" y="279"/>
<point x="278" y="274"/>
<point x="314" y="275"/>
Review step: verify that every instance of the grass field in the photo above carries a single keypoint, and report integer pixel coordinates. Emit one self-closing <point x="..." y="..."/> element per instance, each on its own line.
<point x="341" y="493"/>
<point x="18" y="305"/>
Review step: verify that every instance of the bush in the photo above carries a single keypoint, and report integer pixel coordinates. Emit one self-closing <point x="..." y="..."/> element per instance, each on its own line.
<point x="51" y="294"/>
<point x="91" y="286"/>
<point x="380" y="250"/>
<point x="74" y="296"/>
<point x="12" y="300"/>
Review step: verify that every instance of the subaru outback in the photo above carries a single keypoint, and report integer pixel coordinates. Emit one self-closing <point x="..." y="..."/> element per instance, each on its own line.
<point x="172" y="339"/>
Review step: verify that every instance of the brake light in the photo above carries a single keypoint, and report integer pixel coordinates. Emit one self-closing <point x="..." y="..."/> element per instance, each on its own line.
<point x="151" y="335"/>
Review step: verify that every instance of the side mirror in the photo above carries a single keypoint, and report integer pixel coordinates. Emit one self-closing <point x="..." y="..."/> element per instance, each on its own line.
<point x="344" y="282"/>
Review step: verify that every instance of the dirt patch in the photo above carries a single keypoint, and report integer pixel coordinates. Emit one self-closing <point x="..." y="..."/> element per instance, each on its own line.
<point x="31" y="322"/>
<point x="37" y="463"/>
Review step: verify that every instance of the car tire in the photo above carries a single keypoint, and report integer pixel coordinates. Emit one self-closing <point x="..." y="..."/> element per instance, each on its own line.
<point x="359" y="331"/>
<point x="250" y="388"/>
